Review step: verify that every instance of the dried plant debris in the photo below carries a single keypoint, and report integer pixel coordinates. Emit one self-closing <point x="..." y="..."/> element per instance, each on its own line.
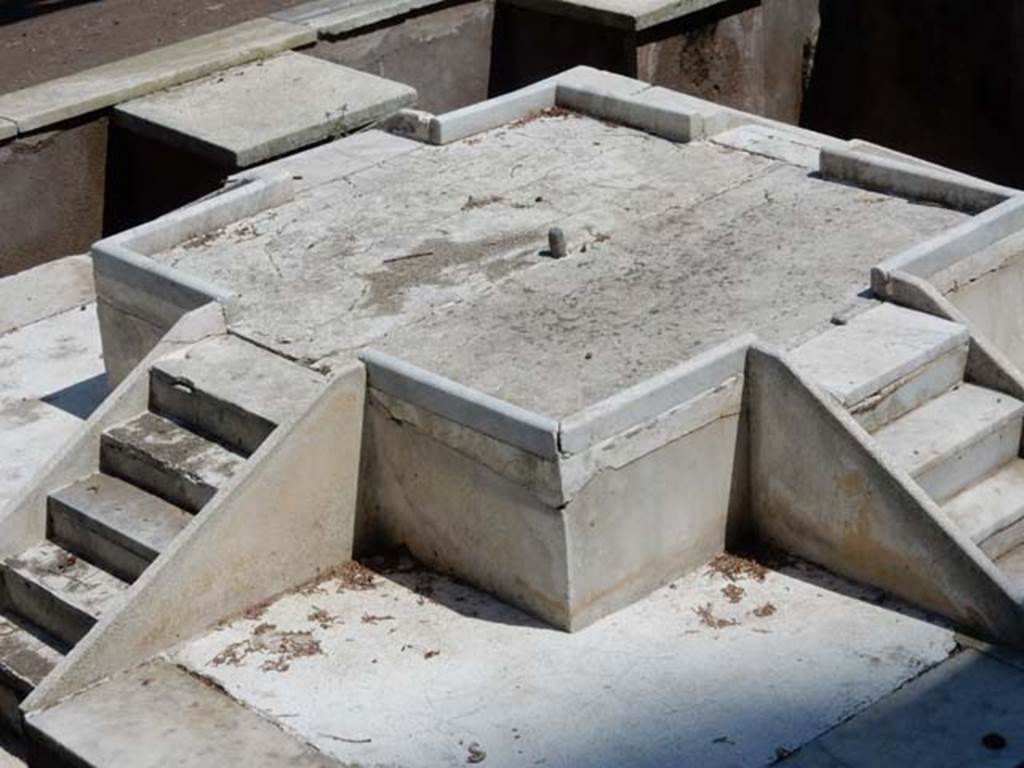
<point x="736" y="568"/>
<point x="560" y="113"/>
<point x="475" y="754"/>
<point x="733" y="593"/>
<point x="355" y="576"/>
<point x="278" y="648"/>
<point x="708" y="618"/>
<point x="322" y="617"/>
<point x="766" y="610"/>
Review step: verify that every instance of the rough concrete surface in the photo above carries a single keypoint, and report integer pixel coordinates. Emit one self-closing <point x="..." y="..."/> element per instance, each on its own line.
<point x="242" y="116"/>
<point x="710" y="242"/>
<point x="53" y="378"/>
<point x="411" y="669"/>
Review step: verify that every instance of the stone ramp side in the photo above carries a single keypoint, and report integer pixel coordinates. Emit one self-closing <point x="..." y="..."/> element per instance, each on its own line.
<point x="902" y="502"/>
<point x="157" y="715"/>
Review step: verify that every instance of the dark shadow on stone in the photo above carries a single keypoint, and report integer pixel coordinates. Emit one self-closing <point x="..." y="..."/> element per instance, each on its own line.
<point x="810" y="573"/>
<point x="81" y="398"/>
<point x="431" y="586"/>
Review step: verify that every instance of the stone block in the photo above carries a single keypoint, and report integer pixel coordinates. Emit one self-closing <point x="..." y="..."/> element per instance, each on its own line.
<point x="300" y="100"/>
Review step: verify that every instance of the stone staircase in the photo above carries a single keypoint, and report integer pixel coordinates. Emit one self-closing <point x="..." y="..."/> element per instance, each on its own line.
<point x="209" y="408"/>
<point x="900" y="374"/>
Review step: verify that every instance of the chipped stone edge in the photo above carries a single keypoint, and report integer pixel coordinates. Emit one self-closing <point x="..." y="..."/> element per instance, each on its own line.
<point x="519" y="427"/>
<point x="932" y="256"/>
<point x="654" y="396"/>
<point x="542" y="435"/>
<point x="904" y="178"/>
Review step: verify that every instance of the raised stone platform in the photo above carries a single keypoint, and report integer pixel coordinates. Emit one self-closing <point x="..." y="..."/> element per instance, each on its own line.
<point x="540" y="397"/>
<point x="246" y="115"/>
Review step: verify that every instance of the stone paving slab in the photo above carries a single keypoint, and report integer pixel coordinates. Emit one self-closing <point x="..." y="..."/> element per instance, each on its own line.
<point x="628" y="14"/>
<point x="405" y="667"/>
<point x="94" y="89"/>
<point x="8" y="129"/>
<point x="248" y="114"/>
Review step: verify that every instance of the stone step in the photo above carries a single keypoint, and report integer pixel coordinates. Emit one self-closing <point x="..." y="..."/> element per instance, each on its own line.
<point x="1012" y="566"/>
<point x="158" y="714"/>
<point x="167" y="460"/>
<point x="25" y="659"/>
<point x="231" y="390"/>
<point x="885" y="362"/>
<point x="991" y="511"/>
<point x="113" y="524"/>
<point x="955" y="439"/>
<point x="58" y="591"/>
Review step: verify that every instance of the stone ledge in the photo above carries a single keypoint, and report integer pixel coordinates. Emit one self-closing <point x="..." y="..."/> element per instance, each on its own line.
<point x="895" y="176"/>
<point x="941" y="252"/>
<point x="95" y="89"/>
<point x="337" y="17"/>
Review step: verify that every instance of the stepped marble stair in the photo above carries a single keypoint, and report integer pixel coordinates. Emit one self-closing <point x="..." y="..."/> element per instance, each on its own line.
<point x="901" y="373"/>
<point x="209" y="409"/>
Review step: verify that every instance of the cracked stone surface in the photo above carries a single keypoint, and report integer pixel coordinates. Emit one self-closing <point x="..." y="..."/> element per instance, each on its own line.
<point x="437" y="255"/>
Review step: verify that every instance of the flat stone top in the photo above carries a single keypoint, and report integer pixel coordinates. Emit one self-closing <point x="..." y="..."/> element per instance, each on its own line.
<point x="248" y="114"/>
<point x="410" y="669"/>
<point x="436" y="254"/>
<point x="628" y="14"/>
